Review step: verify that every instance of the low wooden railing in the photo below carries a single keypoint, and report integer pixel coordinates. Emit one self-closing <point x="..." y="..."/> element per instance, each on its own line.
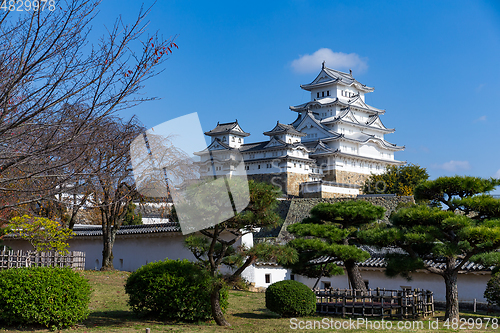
<point x="375" y="302"/>
<point x="16" y="259"/>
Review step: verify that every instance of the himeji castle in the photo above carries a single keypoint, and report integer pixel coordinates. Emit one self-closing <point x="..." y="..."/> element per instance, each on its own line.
<point x="332" y="147"/>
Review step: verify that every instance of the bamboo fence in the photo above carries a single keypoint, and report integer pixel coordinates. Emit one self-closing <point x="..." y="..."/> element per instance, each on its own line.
<point x="17" y="259"/>
<point x="375" y="302"/>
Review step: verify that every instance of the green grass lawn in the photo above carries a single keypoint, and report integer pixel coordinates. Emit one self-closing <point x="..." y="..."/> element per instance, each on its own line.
<point x="247" y="313"/>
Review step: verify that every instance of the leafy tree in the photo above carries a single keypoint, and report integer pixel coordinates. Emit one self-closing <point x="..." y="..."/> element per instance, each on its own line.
<point x="131" y="218"/>
<point x="400" y="180"/>
<point x="464" y="227"/>
<point x="330" y="235"/>
<point x="217" y="245"/>
<point x="43" y="234"/>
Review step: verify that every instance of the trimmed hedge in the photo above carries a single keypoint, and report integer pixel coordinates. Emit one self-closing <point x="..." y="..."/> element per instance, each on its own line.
<point x="51" y="296"/>
<point x="290" y="299"/>
<point x="172" y="289"/>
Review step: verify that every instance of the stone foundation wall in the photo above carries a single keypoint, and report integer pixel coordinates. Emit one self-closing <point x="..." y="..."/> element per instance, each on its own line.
<point x="347" y="177"/>
<point x="276" y="179"/>
<point x="300" y="208"/>
<point x="293" y="182"/>
<point x="330" y="176"/>
<point x="288" y="182"/>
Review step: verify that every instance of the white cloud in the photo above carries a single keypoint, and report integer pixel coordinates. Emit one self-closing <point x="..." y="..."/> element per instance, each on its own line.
<point x="453" y="166"/>
<point x="482" y="118"/>
<point x="311" y="63"/>
<point x="497" y="175"/>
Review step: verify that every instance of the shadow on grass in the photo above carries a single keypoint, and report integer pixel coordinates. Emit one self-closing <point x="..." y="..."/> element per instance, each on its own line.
<point x="257" y="314"/>
<point x="113" y="318"/>
<point x="120" y="318"/>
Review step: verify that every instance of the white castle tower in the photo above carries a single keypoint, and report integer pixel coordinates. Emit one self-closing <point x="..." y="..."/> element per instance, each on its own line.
<point x="334" y="145"/>
<point x="346" y="134"/>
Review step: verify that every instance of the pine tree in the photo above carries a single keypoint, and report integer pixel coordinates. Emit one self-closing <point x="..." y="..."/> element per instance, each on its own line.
<point x="461" y="224"/>
<point x="217" y="245"/>
<point x="329" y="236"/>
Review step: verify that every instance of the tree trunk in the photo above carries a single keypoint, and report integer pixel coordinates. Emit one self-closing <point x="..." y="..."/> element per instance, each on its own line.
<point x="450" y="279"/>
<point x="354" y="275"/>
<point x="216" y="309"/>
<point x="107" y="252"/>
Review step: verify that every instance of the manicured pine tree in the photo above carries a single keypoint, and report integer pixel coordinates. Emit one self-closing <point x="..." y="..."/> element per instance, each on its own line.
<point x="461" y="224"/>
<point x="329" y="235"/>
<point x="217" y="245"/>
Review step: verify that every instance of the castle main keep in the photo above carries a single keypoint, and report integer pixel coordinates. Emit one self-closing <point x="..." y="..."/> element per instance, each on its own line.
<point x="332" y="147"/>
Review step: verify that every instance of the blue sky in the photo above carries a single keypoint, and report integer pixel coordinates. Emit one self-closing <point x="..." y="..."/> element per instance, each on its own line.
<point x="435" y="66"/>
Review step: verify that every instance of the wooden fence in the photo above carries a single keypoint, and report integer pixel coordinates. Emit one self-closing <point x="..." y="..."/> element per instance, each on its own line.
<point x="16" y="259"/>
<point x="375" y="302"/>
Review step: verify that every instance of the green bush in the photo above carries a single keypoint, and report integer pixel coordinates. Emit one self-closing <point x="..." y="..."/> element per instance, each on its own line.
<point x="492" y="292"/>
<point x="172" y="289"/>
<point x="50" y="296"/>
<point x="290" y="299"/>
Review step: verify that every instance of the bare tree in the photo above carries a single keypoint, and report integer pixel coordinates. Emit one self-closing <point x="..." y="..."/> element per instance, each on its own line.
<point x="56" y="87"/>
<point x="112" y="182"/>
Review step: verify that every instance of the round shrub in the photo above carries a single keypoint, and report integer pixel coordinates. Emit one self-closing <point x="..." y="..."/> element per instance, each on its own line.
<point x="290" y="299"/>
<point x="50" y="296"/>
<point x="492" y="292"/>
<point x="172" y="289"/>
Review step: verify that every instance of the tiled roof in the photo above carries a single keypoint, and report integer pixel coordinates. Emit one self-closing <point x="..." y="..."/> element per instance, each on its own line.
<point x="225" y="128"/>
<point x="283" y="128"/>
<point x="130" y="229"/>
<point x="377" y="260"/>
<point x="337" y="77"/>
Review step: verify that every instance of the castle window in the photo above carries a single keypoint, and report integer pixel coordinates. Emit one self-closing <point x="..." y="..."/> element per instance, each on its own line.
<point x="233" y="139"/>
<point x="322" y="94"/>
<point x="223" y="139"/>
<point x="268" y="278"/>
<point x="294" y="165"/>
<point x="328" y="93"/>
<point x="239" y="140"/>
<point x="247" y="167"/>
<point x="258" y="167"/>
<point x="317" y="95"/>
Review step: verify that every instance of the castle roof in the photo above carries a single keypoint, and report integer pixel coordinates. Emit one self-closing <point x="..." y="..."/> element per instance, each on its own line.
<point x="227" y="128"/>
<point x="329" y="76"/>
<point x="258" y="146"/>
<point x="283" y="129"/>
<point x="330" y="101"/>
<point x="347" y="116"/>
<point x="363" y="137"/>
